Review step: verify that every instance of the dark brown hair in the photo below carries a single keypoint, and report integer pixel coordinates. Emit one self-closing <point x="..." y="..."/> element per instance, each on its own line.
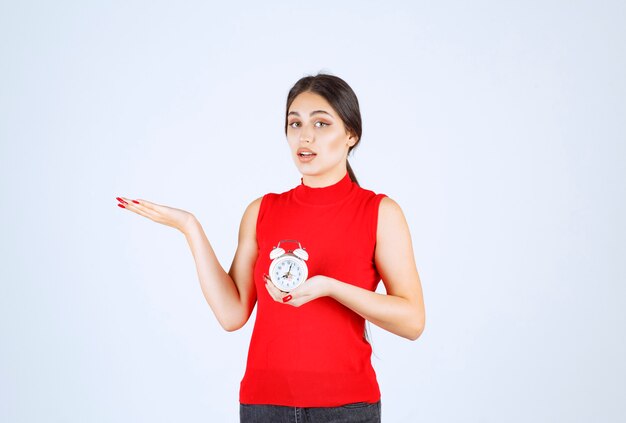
<point x="341" y="98"/>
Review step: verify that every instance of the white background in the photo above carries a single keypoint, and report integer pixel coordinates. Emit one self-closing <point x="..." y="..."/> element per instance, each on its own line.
<point x="498" y="126"/>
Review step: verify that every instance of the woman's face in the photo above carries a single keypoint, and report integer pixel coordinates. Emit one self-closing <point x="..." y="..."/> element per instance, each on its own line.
<point x="313" y="125"/>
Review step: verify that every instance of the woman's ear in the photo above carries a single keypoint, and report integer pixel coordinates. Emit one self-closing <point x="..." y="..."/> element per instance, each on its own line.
<point x="352" y="139"/>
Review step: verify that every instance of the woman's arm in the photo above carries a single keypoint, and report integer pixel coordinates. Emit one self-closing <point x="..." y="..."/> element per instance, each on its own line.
<point x="401" y="310"/>
<point x="231" y="295"/>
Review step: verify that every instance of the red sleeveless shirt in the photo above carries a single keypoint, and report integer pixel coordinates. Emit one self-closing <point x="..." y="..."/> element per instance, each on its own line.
<point x="314" y="355"/>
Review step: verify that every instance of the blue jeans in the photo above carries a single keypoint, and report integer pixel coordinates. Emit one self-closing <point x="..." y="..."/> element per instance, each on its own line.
<point x="358" y="412"/>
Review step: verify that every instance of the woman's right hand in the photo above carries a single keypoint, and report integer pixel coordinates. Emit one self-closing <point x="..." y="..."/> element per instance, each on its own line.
<point x="176" y="218"/>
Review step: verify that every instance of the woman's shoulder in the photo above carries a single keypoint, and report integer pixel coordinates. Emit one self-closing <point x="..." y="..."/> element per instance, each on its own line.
<point x="388" y="206"/>
<point x="252" y="210"/>
<point x="372" y="196"/>
<point x="256" y="202"/>
<point x="255" y="208"/>
<point x="390" y="217"/>
<point x="385" y="206"/>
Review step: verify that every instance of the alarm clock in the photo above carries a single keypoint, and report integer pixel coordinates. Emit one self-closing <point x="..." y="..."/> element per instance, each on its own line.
<point x="288" y="269"/>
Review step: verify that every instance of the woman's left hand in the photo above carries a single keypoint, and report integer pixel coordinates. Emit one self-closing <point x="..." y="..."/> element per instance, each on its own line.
<point x="314" y="287"/>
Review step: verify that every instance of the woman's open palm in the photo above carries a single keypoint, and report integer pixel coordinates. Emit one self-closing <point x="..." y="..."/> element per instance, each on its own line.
<point x="170" y="216"/>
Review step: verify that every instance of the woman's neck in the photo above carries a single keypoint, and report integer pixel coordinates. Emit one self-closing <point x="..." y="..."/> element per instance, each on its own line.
<point x="324" y="180"/>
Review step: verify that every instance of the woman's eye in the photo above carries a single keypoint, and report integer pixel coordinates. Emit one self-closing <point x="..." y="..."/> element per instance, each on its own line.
<point x="297" y="124"/>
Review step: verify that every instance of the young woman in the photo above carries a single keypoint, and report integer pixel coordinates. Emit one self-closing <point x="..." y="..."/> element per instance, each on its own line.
<point x="311" y="257"/>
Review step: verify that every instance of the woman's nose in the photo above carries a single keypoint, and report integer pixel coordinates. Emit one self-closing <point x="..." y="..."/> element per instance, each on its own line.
<point x="306" y="135"/>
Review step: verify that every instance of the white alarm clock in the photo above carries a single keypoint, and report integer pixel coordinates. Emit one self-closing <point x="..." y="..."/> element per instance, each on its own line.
<point x="288" y="269"/>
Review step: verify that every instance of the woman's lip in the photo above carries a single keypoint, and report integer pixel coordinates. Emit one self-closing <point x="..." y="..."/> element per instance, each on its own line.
<point x="306" y="158"/>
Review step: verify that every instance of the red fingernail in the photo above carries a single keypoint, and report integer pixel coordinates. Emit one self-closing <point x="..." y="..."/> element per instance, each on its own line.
<point x="136" y="202"/>
<point x="121" y="199"/>
<point x="121" y="205"/>
<point x="287" y="298"/>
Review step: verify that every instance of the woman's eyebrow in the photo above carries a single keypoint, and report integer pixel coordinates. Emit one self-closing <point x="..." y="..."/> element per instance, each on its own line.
<point x="310" y="114"/>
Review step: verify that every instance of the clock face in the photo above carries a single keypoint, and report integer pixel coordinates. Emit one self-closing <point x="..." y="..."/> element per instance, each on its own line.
<point x="288" y="272"/>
